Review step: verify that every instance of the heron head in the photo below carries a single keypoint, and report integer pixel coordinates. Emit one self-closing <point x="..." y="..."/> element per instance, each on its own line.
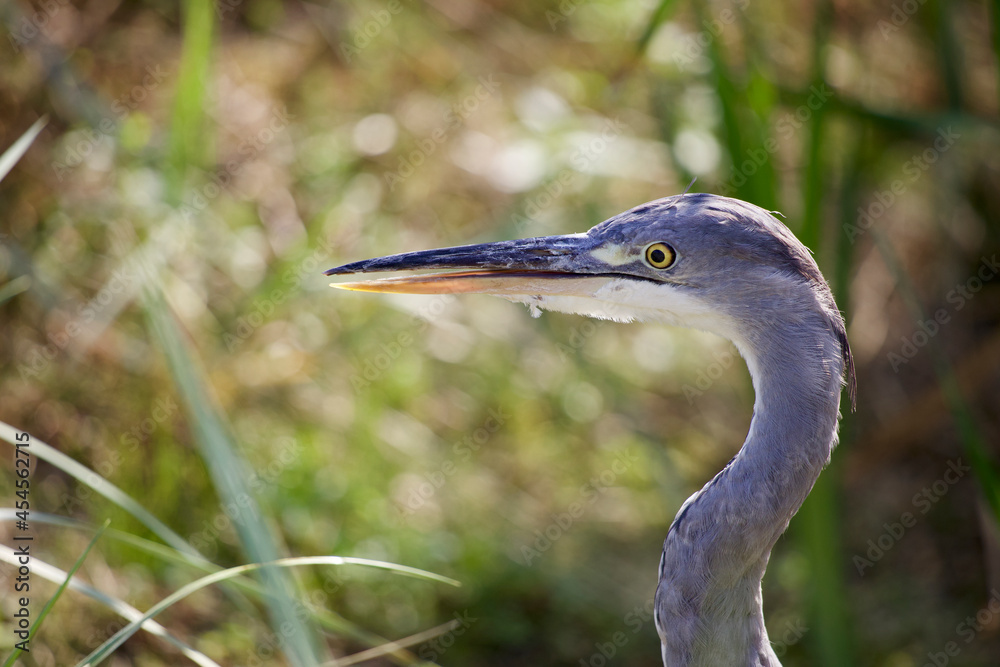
<point x="695" y="260"/>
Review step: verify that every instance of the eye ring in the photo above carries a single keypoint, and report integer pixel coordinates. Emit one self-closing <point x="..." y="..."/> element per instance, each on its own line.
<point x="660" y="255"/>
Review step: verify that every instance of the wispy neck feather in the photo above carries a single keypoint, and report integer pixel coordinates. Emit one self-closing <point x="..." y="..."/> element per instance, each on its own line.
<point x="708" y="602"/>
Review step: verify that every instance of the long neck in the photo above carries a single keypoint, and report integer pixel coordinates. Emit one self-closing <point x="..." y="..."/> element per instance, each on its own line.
<point x="709" y="608"/>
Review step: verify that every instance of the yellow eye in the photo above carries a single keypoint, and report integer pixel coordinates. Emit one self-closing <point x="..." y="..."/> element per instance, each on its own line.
<point x="660" y="256"/>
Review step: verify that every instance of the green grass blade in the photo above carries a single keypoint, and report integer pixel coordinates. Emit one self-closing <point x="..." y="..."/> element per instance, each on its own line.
<point x="744" y="114"/>
<point x="166" y="554"/>
<point x="949" y="52"/>
<point x="330" y="620"/>
<point x="819" y="521"/>
<point x="188" y="140"/>
<point x="105" y="649"/>
<point x="59" y="591"/>
<point x="394" y="646"/>
<point x="231" y="477"/>
<point x="123" y="609"/>
<point x="995" y="15"/>
<point x="14" y="287"/>
<point x="86" y="476"/>
<point x="20" y="147"/>
<point x="728" y="99"/>
<point x="813" y="181"/>
<point x="818" y="533"/>
<point x="656" y="19"/>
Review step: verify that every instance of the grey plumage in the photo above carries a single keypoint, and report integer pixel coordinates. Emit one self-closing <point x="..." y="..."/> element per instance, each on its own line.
<point x="736" y="271"/>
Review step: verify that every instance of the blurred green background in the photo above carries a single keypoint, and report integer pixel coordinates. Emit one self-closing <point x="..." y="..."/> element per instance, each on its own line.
<point x="166" y="324"/>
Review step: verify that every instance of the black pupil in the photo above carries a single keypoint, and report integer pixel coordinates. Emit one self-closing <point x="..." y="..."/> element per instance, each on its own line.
<point x="657" y="256"/>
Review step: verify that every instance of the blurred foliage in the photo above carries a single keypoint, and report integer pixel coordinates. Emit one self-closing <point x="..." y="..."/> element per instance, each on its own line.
<point x="161" y="294"/>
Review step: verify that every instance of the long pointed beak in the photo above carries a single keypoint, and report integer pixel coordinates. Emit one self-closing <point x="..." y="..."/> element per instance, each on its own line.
<point x="552" y="265"/>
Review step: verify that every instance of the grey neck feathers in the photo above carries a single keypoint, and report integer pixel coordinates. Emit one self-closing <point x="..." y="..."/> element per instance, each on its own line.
<point x="708" y="602"/>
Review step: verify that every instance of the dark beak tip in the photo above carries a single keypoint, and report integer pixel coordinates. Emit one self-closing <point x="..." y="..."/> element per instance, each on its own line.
<point x="354" y="267"/>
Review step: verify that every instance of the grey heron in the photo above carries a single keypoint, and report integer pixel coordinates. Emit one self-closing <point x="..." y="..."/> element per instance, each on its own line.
<point x="723" y="266"/>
